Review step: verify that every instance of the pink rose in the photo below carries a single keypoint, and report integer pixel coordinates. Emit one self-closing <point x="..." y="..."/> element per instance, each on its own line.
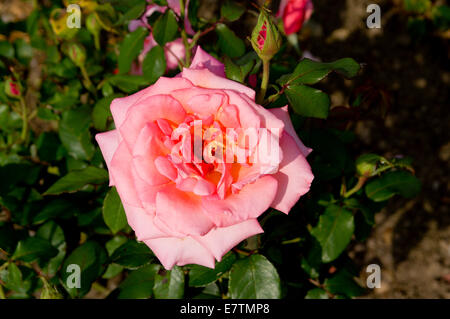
<point x="294" y="13"/>
<point x="174" y="51"/>
<point x="166" y="159"/>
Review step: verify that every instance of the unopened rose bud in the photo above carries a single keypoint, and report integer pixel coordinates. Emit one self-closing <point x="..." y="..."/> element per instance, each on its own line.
<point x="92" y="24"/>
<point x="94" y="28"/>
<point x="266" y="39"/>
<point x="13" y="89"/>
<point x="367" y="164"/>
<point x="76" y="52"/>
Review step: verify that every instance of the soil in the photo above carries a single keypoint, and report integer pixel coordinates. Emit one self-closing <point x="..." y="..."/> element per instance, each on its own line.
<point x="411" y="240"/>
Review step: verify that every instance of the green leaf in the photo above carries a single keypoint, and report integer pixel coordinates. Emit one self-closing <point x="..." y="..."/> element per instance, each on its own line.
<point x="229" y="43"/>
<point x="111" y="246"/>
<point x="334" y="231"/>
<point x="237" y="72"/>
<point x="113" y="212"/>
<point x="169" y="284"/>
<point x="154" y="64"/>
<point x="343" y="283"/>
<point x="193" y="12"/>
<point x="166" y="28"/>
<point x="392" y="183"/>
<point x="74" y="133"/>
<point x="133" y="13"/>
<point x="132" y="255"/>
<point x="254" y="277"/>
<point x="200" y="276"/>
<point x="53" y="209"/>
<point x="231" y="10"/>
<point x="32" y="248"/>
<point x="6" y="49"/>
<point x="307" y="101"/>
<point x="77" y="179"/>
<point x="139" y="283"/>
<point x="128" y="83"/>
<point x="102" y="112"/>
<point x="316" y="293"/>
<point x="55" y="235"/>
<point x="130" y="48"/>
<point x="24" y="51"/>
<point x="311" y="72"/>
<point x="419" y="6"/>
<point x="12" y="278"/>
<point x="90" y="257"/>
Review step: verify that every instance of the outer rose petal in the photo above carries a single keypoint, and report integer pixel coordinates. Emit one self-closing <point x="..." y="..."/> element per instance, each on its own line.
<point x="180" y="251"/>
<point x="181" y="212"/>
<point x="294" y="177"/>
<point x="220" y="240"/>
<point x="119" y="106"/>
<point x="283" y="114"/>
<point x="142" y="223"/>
<point x="120" y="169"/>
<point x="204" y="60"/>
<point x="108" y="142"/>
<point x="251" y="201"/>
<point x="207" y="79"/>
<point x="147" y="110"/>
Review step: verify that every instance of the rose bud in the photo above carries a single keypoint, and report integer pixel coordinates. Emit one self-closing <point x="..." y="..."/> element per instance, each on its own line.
<point x="93" y="26"/>
<point x="13" y="89"/>
<point x="266" y="39"/>
<point x="367" y="164"/>
<point x="76" y="52"/>
<point x="294" y="14"/>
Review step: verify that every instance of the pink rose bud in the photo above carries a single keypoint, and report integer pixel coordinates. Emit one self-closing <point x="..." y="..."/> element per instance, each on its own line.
<point x="195" y="161"/>
<point x="266" y="39"/>
<point x="12" y="89"/>
<point x="294" y="13"/>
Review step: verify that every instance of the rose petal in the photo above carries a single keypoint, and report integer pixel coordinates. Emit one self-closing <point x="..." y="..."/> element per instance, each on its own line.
<point x="180" y="251"/>
<point x="108" y="142"/>
<point x="147" y="110"/>
<point x="120" y="169"/>
<point x="181" y="212"/>
<point x="204" y="60"/>
<point x="294" y="177"/>
<point x="207" y="79"/>
<point x="220" y="240"/>
<point x="282" y="113"/>
<point x="119" y="106"/>
<point x="251" y="201"/>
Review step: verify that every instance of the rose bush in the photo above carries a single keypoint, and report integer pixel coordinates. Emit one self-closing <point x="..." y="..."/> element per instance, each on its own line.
<point x="194" y="212"/>
<point x="197" y="167"/>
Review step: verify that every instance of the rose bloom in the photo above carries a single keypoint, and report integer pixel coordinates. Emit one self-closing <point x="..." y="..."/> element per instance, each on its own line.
<point x="174" y="50"/>
<point x="294" y="13"/>
<point x="192" y="208"/>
